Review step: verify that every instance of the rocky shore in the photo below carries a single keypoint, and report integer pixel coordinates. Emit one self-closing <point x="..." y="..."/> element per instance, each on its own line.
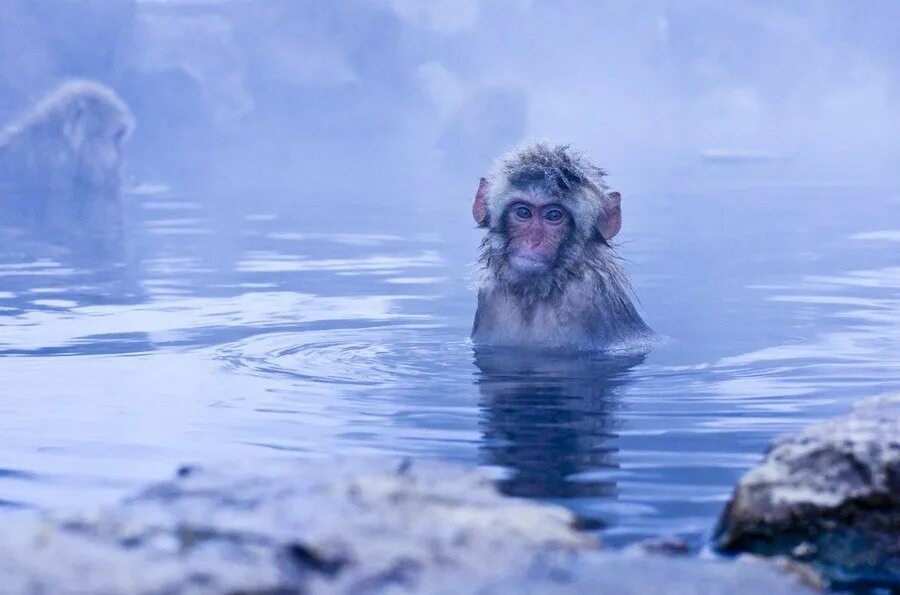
<point x="829" y="496"/>
<point x="354" y="527"/>
<point x="822" y="509"/>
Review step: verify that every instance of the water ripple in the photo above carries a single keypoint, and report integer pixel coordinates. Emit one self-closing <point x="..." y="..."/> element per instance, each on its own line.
<point x="375" y="355"/>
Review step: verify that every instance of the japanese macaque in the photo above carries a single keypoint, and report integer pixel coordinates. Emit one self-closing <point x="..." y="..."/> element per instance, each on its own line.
<point x="71" y="140"/>
<point x="60" y="167"/>
<point x="547" y="275"/>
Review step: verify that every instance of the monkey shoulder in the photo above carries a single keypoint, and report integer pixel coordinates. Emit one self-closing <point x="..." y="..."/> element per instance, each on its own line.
<point x="582" y="316"/>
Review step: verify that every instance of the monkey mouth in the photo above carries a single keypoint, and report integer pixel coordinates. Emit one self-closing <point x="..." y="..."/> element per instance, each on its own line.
<point x="528" y="263"/>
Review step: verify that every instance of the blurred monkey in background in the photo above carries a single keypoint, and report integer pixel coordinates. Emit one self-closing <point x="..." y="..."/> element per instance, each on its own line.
<point x="60" y="163"/>
<point x="72" y="138"/>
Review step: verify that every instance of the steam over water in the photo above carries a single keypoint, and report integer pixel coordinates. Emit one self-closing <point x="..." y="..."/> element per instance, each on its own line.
<point x="293" y="279"/>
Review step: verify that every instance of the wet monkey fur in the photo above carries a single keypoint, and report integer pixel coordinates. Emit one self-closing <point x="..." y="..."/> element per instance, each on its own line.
<point x="546" y="273"/>
<point x="60" y="166"/>
<point x="71" y="139"/>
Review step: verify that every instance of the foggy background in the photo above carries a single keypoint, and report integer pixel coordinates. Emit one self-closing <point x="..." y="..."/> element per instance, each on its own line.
<point x="297" y="237"/>
<point x="407" y="102"/>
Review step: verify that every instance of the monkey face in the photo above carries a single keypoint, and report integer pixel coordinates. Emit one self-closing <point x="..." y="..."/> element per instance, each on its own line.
<point x="536" y="228"/>
<point x="95" y="124"/>
<point x="99" y="154"/>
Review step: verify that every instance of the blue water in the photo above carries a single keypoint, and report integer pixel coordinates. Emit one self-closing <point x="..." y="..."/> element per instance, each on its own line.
<point x="307" y="326"/>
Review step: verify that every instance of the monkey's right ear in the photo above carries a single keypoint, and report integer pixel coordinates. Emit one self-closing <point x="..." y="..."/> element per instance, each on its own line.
<point x="479" y="207"/>
<point x="611" y="221"/>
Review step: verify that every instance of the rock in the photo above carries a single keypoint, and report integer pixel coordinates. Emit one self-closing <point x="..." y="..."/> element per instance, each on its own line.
<point x="288" y="526"/>
<point x="806" y="574"/>
<point x="665" y="545"/>
<point x="623" y="574"/>
<point x="365" y="527"/>
<point x="828" y="495"/>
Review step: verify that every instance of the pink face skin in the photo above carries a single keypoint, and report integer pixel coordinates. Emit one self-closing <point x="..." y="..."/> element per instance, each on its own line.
<point x="536" y="228"/>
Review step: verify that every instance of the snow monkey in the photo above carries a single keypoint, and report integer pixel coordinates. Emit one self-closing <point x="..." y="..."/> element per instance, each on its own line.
<point x="71" y="139"/>
<point x="546" y="274"/>
<point x="60" y="166"/>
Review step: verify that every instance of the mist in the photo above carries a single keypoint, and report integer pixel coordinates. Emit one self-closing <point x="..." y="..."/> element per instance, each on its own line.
<point x="279" y="261"/>
<point x="400" y="100"/>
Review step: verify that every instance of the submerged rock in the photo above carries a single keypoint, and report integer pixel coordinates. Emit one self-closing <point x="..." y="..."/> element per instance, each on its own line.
<point x="294" y="527"/>
<point x="665" y="545"/>
<point x="829" y="495"/>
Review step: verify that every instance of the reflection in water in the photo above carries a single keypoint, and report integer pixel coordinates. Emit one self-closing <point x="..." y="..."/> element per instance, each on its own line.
<point x="83" y="226"/>
<point x="550" y="420"/>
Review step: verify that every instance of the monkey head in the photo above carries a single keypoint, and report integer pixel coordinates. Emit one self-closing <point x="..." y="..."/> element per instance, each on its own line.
<point x="94" y="124"/>
<point x="543" y="204"/>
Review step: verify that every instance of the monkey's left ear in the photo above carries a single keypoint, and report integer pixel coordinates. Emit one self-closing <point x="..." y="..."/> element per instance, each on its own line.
<point x="479" y="207"/>
<point x="611" y="221"/>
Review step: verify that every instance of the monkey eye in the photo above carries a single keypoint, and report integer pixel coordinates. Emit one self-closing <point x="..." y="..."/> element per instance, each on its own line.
<point x="554" y="215"/>
<point x="523" y="212"/>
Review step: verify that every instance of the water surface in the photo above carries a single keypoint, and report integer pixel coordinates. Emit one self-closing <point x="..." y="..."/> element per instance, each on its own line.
<point x="228" y="328"/>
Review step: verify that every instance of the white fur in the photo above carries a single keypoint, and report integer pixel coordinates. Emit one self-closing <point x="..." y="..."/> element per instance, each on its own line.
<point x="586" y="205"/>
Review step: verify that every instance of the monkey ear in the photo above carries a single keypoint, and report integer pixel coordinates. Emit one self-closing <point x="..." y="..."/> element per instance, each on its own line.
<point x="479" y="207"/>
<point x="611" y="221"/>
